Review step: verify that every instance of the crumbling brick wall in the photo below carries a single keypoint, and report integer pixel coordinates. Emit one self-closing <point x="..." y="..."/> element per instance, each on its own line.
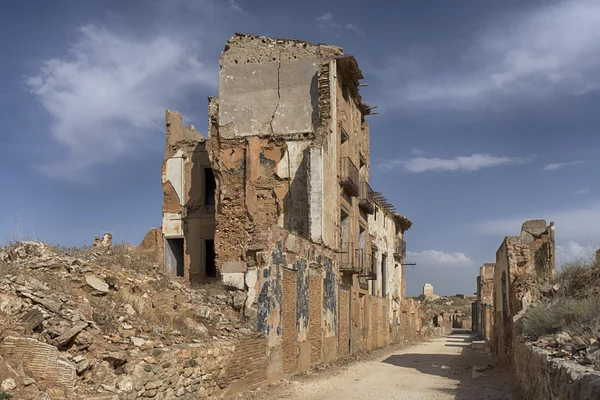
<point x="522" y="264"/>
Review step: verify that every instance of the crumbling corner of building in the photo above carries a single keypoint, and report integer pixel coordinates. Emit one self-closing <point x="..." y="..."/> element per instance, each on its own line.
<point x="180" y="136"/>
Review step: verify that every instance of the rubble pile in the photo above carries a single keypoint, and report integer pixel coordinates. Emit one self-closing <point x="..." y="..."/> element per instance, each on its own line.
<point x="584" y="351"/>
<point x="71" y="320"/>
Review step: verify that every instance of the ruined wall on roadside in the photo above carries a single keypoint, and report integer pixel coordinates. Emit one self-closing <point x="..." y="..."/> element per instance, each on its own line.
<point x="541" y="377"/>
<point x="485" y="302"/>
<point x="274" y="147"/>
<point x="266" y="145"/>
<point x="522" y="264"/>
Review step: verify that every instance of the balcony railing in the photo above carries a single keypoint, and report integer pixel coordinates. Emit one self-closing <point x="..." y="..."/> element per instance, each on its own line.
<point x="400" y="250"/>
<point x="348" y="262"/>
<point x="366" y="198"/>
<point x="349" y="176"/>
<point x="367" y="265"/>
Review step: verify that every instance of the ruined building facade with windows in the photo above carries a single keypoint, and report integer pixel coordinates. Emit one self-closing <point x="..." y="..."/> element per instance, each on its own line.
<point x="276" y="205"/>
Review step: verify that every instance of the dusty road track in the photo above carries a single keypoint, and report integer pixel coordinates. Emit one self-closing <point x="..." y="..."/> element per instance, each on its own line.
<point x="439" y="369"/>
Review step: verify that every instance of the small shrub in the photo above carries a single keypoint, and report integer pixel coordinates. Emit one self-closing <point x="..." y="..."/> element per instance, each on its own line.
<point x="5" y="396"/>
<point x="574" y="316"/>
<point x="580" y="279"/>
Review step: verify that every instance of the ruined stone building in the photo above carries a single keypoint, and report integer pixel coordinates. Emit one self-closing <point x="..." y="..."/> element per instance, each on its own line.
<point x="276" y="204"/>
<point x="484" y="305"/>
<point x="507" y="288"/>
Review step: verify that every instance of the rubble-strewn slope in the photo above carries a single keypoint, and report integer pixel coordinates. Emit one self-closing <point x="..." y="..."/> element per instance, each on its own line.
<point x="70" y="320"/>
<point x="564" y="319"/>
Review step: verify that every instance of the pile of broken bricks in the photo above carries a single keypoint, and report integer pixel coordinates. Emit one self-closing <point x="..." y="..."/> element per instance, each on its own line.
<point x="82" y="309"/>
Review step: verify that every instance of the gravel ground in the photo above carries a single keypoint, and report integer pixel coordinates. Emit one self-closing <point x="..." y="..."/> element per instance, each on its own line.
<point x="440" y="369"/>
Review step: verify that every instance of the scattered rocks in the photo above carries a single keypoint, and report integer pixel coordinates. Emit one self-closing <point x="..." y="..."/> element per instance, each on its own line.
<point x="96" y="283"/>
<point x="136" y="341"/>
<point x="8" y="385"/>
<point x="79" y="342"/>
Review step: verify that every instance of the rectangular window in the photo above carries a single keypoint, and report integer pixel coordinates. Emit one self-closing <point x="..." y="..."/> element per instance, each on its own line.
<point x="209" y="187"/>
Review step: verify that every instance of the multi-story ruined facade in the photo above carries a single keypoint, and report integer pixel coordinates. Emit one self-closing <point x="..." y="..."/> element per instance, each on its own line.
<point x="276" y="204"/>
<point x="508" y="287"/>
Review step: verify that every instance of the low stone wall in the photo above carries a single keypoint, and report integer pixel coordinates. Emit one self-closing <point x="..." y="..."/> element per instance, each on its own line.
<point x="213" y="369"/>
<point x="543" y="378"/>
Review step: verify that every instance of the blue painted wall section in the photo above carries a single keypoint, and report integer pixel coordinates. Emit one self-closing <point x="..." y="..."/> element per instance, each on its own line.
<point x="302" y="285"/>
<point x="271" y="293"/>
<point x="330" y="291"/>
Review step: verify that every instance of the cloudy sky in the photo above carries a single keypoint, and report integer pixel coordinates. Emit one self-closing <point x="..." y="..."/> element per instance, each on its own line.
<point x="488" y="114"/>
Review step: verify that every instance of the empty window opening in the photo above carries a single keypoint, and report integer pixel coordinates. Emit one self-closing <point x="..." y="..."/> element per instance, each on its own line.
<point x="363" y="162"/>
<point x="383" y="275"/>
<point x="344" y="234"/>
<point x="374" y="272"/>
<point x="209" y="187"/>
<point x="175" y="257"/>
<point x="345" y="136"/>
<point x="209" y="258"/>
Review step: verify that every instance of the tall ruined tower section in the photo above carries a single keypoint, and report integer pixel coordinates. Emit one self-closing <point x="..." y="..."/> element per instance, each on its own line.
<point x="266" y="132"/>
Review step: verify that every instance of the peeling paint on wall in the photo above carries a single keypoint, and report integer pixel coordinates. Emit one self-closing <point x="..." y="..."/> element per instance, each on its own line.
<point x="329" y="298"/>
<point x="302" y="282"/>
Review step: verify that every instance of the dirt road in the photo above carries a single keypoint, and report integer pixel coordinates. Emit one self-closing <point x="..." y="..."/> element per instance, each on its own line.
<point x="440" y="369"/>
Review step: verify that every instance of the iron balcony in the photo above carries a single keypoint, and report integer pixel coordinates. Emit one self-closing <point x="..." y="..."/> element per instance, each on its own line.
<point x="400" y="249"/>
<point x="366" y="198"/>
<point x="348" y="259"/>
<point x="349" y="176"/>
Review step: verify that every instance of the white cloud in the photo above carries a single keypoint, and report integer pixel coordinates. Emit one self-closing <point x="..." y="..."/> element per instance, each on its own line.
<point x="581" y="191"/>
<point x="234" y="5"/>
<point x="545" y="50"/>
<point x="578" y="224"/>
<point x="327" y="20"/>
<point x="417" y="152"/>
<point x="110" y="90"/>
<point x="554" y="167"/>
<point x="435" y="258"/>
<point x="573" y="251"/>
<point x="353" y="27"/>
<point x="468" y="163"/>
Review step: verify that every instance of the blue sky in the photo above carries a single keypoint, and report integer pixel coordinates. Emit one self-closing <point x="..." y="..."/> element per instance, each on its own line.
<point x="487" y="114"/>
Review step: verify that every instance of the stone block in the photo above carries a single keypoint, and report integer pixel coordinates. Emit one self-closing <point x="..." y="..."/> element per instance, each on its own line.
<point x="234" y="279"/>
<point x="292" y="244"/>
<point x="233" y="266"/>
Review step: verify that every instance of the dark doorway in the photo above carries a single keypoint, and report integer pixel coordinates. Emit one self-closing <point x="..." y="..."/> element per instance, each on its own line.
<point x="209" y="258"/>
<point x="174" y="256"/>
<point x="209" y="187"/>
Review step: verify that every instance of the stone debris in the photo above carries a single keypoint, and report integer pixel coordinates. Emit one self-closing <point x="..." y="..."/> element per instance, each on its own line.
<point x="8" y="385"/>
<point x="96" y="283"/>
<point x="82" y="322"/>
<point x="576" y="349"/>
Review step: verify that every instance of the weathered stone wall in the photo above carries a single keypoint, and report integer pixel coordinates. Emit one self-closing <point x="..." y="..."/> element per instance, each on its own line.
<point x="191" y="371"/>
<point x="186" y="213"/>
<point x="485" y="302"/>
<point x="543" y="378"/>
<point x="153" y="245"/>
<point x="522" y="263"/>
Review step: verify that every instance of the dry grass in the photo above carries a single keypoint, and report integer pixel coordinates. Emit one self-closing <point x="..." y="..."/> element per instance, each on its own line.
<point x="574" y="308"/>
